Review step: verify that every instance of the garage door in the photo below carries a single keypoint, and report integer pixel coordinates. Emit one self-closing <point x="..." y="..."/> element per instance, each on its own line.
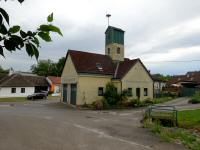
<point x="65" y="93"/>
<point x="73" y="94"/>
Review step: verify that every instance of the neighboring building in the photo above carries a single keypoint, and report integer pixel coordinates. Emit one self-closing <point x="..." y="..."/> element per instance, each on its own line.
<point x="19" y="85"/>
<point x="55" y="83"/>
<point x="187" y="84"/>
<point x="85" y="75"/>
<point x="159" y="84"/>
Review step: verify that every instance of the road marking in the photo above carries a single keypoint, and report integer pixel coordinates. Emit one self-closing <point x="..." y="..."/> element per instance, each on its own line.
<point x="102" y="134"/>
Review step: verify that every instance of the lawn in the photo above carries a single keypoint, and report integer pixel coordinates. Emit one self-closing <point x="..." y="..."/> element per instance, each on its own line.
<point x="13" y="99"/>
<point x="189" y="119"/>
<point x="161" y="100"/>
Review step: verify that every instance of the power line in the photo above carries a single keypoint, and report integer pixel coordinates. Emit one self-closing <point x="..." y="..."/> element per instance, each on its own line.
<point x="173" y="61"/>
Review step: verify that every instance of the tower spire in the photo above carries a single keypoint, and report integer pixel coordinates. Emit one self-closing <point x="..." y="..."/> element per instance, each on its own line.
<point x="108" y="16"/>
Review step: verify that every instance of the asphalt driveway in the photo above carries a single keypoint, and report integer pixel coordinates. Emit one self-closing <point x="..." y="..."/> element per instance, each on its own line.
<point x="182" y="104"/>
<point x="48" y="125"/>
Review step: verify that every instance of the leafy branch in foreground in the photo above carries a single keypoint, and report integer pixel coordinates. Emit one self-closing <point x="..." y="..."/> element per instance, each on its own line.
<point x="14" y="38"/>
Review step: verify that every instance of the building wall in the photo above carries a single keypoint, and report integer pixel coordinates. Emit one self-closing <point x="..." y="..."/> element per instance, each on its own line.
<point x="6" y="91"/>
<point x="158" y="86"/>
<point x="137" y="77"/>
<point x="69" y="76"/>
<point x="88" y="88"/>
<point x="113" y="51"/>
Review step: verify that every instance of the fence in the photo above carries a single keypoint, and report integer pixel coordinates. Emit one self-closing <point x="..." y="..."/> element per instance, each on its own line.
<point x="165" y="114"/>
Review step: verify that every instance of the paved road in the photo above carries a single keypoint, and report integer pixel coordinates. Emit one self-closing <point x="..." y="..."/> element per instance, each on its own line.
<point x="182" y="104"/>
<point x="52" y="126"/>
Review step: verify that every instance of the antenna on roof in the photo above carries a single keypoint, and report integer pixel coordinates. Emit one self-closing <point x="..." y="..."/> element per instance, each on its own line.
<point x="108" y="16"/>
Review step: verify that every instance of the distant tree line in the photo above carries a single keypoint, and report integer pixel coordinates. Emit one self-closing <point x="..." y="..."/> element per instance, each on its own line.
<point x="3" y="71"/>
<point x="163" y="77"/>
<point x="48" y="67"/>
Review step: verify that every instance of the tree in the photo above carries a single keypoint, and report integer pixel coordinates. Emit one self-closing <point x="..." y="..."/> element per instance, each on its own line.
<point x="48" y="67"/>
<point x="60" y="65"/>
<point x="3" y="71"/>
<point x="14" y="38"/>
<point x="43" y="68"/>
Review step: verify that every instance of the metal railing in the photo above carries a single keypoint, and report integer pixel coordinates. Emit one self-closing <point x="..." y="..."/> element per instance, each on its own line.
<point x="162" y="112"/>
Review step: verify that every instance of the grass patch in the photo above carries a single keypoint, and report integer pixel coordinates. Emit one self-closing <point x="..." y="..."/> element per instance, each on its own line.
<point x="13" y="99"/>
<point x="189" y="119"/>
<point x="175" y="135"/>
<point x="195" y="99"/>
<point x="53" y="97"/>
<point x="161" y="100"/>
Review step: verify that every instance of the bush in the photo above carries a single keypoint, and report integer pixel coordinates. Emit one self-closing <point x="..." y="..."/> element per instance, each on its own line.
<point x="100" y="104"/>
<point x="148" y="101"/>
<point x="195" y="99"/>
<point x="112" y="97"/>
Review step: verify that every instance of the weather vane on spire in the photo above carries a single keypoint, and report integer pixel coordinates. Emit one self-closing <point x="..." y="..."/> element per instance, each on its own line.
<point x="108" y="16"/>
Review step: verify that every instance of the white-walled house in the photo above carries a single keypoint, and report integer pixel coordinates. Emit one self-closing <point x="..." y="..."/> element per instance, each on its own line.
<point x="18" y="85"/>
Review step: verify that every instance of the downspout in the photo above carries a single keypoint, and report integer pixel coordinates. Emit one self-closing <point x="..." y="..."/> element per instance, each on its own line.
<point x="115" y="75"/>
<point x="116" y="70"/>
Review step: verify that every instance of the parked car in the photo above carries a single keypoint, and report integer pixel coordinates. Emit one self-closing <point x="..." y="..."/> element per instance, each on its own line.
<point x="40" y="95"/>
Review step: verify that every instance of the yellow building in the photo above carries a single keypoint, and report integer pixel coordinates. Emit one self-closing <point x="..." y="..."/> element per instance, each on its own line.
<point x="85" y="75"/>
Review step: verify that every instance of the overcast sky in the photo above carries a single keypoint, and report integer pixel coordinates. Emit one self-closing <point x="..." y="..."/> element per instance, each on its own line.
<point x="156" y="30"/>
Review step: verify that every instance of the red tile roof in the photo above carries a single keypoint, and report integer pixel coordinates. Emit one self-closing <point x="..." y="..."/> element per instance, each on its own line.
<point x="55" y="80"/>
<point x="86" y="62"/>
<point x="125" y="66"/>
<point x="189" y="77"/>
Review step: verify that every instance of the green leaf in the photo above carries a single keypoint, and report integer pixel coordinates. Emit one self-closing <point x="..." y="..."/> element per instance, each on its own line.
<point x="14" y="29"/>
<point x="21" y="1"/>
<point x="48" y="28"/>
<point x="1" y="19"/>
<point x="32" y="50"/>
<point x="29" y="33"/>
<point x="36" y="41"/>
<point x="45" y="36"/>
<point x="55" y="29"/>
<point x="3" y="29"/>
<point x="17" y="41"/>
<point x="50" y="18"/>
<point x="9" y="45"/>
<point x="1" y="51"/>
<point x="5" y="15"/>
<point x="23" y="34"/>
<point x="44" y="28"/>
<point x="29" y="49"/>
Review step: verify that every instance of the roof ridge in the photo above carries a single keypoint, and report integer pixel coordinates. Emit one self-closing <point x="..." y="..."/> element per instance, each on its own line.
<point x="6" y="81"/>
<point x="70" y="50"/>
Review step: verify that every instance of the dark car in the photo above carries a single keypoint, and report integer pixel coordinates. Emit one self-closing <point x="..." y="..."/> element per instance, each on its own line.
<point x="40" y="95"/>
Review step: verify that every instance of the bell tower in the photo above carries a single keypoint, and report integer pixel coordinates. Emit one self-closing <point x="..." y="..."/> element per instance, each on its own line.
<point x="114" y="43"/>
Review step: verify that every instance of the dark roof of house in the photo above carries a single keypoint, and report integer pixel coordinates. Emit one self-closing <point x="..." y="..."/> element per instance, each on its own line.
<point x="18" y="80"/>
<point x="86" y="62"/>
<point x="55" y="80"/>
<point x="189" y="77"/>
